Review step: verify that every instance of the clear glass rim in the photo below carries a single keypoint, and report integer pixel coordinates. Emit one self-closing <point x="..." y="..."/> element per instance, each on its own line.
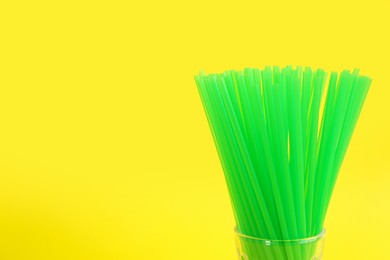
<point x="278" y="241"/>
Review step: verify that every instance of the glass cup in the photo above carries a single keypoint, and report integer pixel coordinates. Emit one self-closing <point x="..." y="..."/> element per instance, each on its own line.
<point x="252" y="248"/>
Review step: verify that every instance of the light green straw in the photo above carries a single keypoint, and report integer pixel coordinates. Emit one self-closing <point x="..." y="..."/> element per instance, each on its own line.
<point x="280" y="155"/>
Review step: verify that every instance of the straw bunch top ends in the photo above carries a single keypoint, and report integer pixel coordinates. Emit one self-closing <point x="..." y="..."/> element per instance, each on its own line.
<point x="281" y="135"/>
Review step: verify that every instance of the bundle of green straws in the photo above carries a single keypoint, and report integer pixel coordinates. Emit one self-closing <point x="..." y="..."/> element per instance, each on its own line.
<point x="281" y="136"/>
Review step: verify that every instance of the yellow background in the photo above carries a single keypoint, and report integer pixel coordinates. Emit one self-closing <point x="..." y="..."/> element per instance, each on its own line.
<point x="105" y="151"/>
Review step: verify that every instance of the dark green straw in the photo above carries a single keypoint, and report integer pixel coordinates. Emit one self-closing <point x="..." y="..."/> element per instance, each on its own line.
<point x="280" y="153"/>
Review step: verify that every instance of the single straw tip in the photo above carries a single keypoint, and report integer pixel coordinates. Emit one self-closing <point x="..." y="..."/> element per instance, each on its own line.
<point x="368" y="79"/>
<point x="201" y="74"/>
<point x="356" y="71"/>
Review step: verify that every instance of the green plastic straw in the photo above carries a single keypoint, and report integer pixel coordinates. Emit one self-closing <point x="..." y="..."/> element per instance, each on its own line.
<point x="280" y="155"/>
